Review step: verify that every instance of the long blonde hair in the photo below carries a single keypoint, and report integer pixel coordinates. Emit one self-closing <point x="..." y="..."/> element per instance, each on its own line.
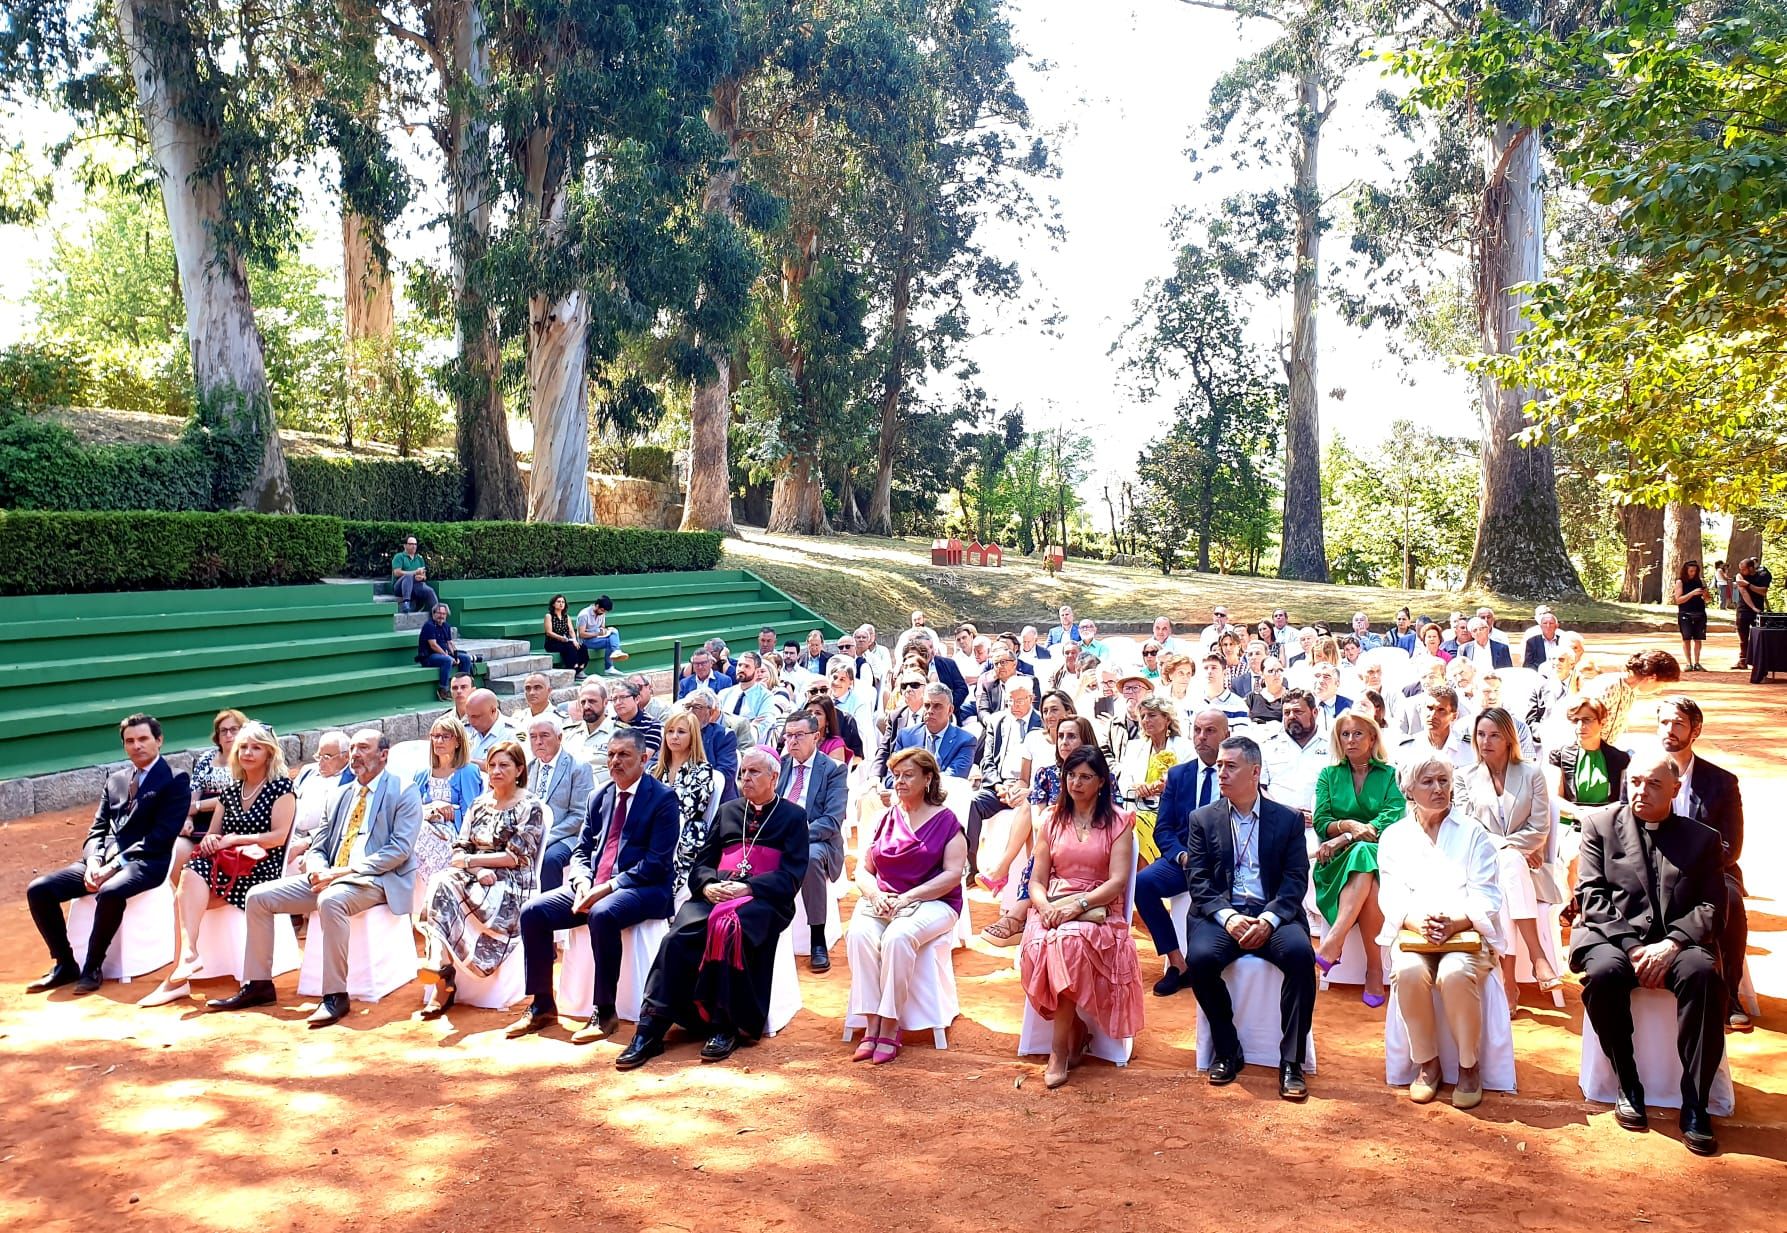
<point x="256" y="733"/>
<point x="679" y="716"/>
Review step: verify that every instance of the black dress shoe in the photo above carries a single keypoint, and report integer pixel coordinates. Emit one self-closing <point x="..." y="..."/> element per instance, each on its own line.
<point x="820" y="961"/>
<point x="719" y="1046"/>
<point x="252" y="993"/>
<point x="1629" y="1110"/>
<point x="1697" y="1132"/>
<point x="1290" y="1082"/>
<point x="1224" y="1070"/>
<point x="333" y="1010"/>
<point x="644" y="1048"/>
<point x="89" y="981"/>
<point x="1171" y="982"/>
<point x="55" y="978"/>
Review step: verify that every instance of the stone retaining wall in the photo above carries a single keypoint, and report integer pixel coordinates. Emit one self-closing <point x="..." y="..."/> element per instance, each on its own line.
<point x="620" y="501"/>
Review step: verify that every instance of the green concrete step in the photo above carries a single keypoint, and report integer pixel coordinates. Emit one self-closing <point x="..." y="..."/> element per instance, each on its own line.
<point x="683" y="620"/>
<point x="101" y="631"/>
<point x="213" y="599"/>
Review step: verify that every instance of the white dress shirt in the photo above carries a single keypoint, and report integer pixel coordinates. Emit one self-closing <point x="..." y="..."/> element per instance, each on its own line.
<point x="1453" y="874"/>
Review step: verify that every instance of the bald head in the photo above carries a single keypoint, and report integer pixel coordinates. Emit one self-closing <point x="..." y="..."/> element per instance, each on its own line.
<point x="1652" y="781"/>
<point x="480" y="711"/>
<point x="1209" y="729"/>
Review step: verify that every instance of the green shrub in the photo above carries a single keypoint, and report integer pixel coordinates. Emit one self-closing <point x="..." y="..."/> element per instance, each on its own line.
<point x="43" y="466"/>
<point x="651" y="462"/>
<point x="158" y="382"/>
<point x="50" y="553"/>
<point x="379" y="489"/>
<point x="43" y="374"/>
<point x="608" y="459"/>
<point x="528" y="549"/>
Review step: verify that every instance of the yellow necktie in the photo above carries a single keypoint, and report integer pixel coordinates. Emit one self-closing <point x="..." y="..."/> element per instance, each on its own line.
<point x="355" y="821"/>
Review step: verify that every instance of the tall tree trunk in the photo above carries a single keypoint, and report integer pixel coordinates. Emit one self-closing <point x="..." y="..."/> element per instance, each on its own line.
<point x="228" y="362"/>
<point x="1520" y="544"/>
<point x="707" y="506"/>
<point x="1303" y="553"/>
<point x="493" y="482"/>
<point x="1641" y="526"/>
<point x="1681" y="543"/>
<point x="893" y="387"/>
<point x="1745" y="542"/>
<point x="557" y="353"/>
<point x="369" y="299"/>
<point x="797" y="506"/>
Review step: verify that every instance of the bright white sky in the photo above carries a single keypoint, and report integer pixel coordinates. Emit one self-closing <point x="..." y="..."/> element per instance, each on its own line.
<point x="1126" y="88"/>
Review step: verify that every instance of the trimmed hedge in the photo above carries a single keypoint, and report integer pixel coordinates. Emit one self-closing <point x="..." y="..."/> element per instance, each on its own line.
<point x="43" y="466"/>
<point x="528" y="549"/>
<point x="61" y="552"/>
<point x="379" y="489"/>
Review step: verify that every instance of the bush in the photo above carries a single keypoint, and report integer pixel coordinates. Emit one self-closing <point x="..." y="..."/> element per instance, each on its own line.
<point x="42" y="374"/>
<point x="651" y="462"/>
<point x="49" y="553"/>
<point x="528" y="549"/>
<point x="43" y="466"/>
<point x="379" y="489"/>
<point x="135" y="379"/>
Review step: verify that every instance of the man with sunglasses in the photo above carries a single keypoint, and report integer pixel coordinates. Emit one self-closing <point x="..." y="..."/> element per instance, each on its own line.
<point x="1211" y="638"/>
<point x="911" y="689"/>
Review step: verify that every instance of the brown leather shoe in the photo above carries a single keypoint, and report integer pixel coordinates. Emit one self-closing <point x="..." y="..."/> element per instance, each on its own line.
<point x="532" y="1021"/>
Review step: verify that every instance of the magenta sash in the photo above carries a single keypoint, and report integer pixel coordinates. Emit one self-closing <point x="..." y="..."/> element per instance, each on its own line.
<point x="725" y="936"/>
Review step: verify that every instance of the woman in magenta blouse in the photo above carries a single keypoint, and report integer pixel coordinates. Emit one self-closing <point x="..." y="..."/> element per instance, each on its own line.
<point x="910" y="876"/>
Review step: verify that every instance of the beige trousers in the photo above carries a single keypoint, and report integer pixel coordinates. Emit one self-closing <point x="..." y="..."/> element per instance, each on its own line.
<point x="1459" y="978"/>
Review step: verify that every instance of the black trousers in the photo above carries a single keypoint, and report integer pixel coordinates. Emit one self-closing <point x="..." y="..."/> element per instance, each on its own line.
<point x="570" y="655"/>
<point x="551" y="911"/>
<point x="1734" y="940"/>
<point x="985" y="804"/>
<point x="1607" y="984"/>
<point x="1208" y="952"/>
<point x="48" y="893"/>
<point x="1746" y="620"/>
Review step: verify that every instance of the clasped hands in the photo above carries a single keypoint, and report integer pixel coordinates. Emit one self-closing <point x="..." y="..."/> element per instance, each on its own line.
<point x="1059" y="911"/>
<point x="888" y="906"/>
<point x="1436" y="927"/>
<point x="1651" y="963"/>
<point x="720" y="892"/>
<point x="486" y="877"/>
<point x="97" y="875"/>
<point x="1249" y="932"/>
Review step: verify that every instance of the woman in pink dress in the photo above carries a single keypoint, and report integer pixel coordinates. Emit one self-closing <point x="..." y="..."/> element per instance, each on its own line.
<point x="1078" y="955"/>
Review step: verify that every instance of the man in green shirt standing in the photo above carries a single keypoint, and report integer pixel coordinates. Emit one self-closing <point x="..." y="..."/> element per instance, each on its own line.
<point x="409" y="578"/>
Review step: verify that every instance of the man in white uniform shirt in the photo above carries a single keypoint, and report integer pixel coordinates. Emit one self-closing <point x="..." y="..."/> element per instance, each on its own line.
<point x="486" y="726"/>
<point x="1441" y="735"/>
<point x="587" y="737"/>
<point x="1295" y="751"/>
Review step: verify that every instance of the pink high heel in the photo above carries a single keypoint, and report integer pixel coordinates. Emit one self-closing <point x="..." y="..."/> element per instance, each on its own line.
<point x="866" y="1050"/>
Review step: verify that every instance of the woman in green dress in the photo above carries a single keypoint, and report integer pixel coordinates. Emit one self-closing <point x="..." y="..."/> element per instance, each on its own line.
<point x="1355" y="800"/>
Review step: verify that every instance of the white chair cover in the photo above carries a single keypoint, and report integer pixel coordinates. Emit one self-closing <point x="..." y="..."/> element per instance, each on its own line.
<point x="381" y="955"/>
<point x="1545" y="922"/>
<point x="145" y="941"/>
<point x="784" y="987"/>
<point x="1495" y="1050"/>
<point x="508" y="984"/>
<point x="1254" y="988"/>
<point x="223" y="943"/>
<point x="1518" y="687"/>
<point x="932" y="1001"/>
<point x="1036" y="1034"/>
<point x="577" y="970"/>
<point x="1351" y="968"/>
<point x="1659" y="1065"/>
<point x="409" y="759"/>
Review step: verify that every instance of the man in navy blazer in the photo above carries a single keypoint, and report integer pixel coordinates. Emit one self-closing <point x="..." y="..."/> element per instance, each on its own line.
<point x="1189" y="786"/>
<point x="1483" y="650"/>
<point x="947" y="674"/>
<point x="127" y="852"/>
<point x="817" y="784"/>
<point x="1247" y="871"/>
<point x="621" y="873"/>
<point x="718" y="742"/>
<point x="951" y="746"/>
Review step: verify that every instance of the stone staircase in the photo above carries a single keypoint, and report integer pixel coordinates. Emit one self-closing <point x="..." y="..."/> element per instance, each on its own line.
<point x="509" y="661"/>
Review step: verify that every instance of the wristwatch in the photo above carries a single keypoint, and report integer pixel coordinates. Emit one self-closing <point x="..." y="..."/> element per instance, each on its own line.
<point x="1085" y="905"/>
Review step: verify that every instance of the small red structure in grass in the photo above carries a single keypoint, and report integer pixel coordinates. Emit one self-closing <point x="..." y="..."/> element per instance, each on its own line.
<point x="1053" y="557"/>
<point x="992" y="555"/>
<point x="976" y="554"/>
<point x="940" y="552"/>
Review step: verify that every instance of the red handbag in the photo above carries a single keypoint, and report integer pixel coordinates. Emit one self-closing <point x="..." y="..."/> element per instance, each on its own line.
<point x="229" y="866"/>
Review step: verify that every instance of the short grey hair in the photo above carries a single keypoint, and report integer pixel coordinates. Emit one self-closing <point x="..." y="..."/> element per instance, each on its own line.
<point x="1020" y="684"/>
<point x="1245" y="746"/>
<point x="1412" y="770"/>
<point x="337" y="736"/>
<point x="702" y="696"/>
<point x="938" y="690"/>
<point x="548" y="721"/>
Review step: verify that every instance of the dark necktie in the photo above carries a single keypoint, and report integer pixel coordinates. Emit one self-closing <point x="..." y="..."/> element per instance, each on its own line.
<point x="1204" y="797"/>
<point x="611" y="845"/>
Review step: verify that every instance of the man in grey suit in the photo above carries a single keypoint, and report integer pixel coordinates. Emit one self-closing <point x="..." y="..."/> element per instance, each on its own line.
<point x="817" y="784"/>
<point x="364" y="855"/>
<point x="565" y="784"/>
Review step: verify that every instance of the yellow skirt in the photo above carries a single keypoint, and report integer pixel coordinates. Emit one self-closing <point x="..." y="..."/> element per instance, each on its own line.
<point x="1147" y="851"/>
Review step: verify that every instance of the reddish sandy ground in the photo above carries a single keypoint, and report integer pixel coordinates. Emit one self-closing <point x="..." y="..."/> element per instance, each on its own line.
<point x="173" y="1119"/>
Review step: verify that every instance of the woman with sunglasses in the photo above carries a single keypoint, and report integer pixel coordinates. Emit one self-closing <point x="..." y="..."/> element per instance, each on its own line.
<point x="1265" y="705"/>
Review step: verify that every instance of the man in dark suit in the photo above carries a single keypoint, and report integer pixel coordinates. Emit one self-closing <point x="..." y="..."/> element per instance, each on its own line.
<point x="1189" y="786"/>
<point x="127" y="852"/>
<point x="818" y="785"/>
<point x="947" y="673"/>
<point x="1650" y="886"/>
<point x="1542" y="644"/>
<point x="718" y="741"/>
<point x="1709" y="794"/>
<point x="951" y="746"/>
<point x="1248" y="870"/>
<point x="909" y="686"/>
<point x="1484" y="651"/>
<point x="621" y="874"/>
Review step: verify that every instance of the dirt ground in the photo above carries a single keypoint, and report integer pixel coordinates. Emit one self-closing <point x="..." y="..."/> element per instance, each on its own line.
<point x="173" y="1119"/>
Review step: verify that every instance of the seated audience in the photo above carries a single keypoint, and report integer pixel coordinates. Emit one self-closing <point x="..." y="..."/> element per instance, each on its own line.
<point x="435" y="648"/>
<point x="702" y="675"/>
<point x="472" y="917"/>
<point x="1583" y="774"/>
<point x="910" y="877"/>
<point x="1188" y="786"/>
<point x="748" y="698"/>
<point x="682" y="766"/>
<point x="364" y="856"/>
<point x="562" y="639"/>
<point x="629" y="712"/>
<point x="712" y="974"/>
<point x="1442" y="906"/>
<point x="1441" y="734"/>
<point x="536" y="700"/>
<point x="1042" y="753"/>
<point x="1710" y="795"/>
<point x="1543" y="644"/>
<point x="1000" y="774"/>
<point x="906" y="710"/>
<point x="409" y="579"/>
<point x="592" y="726"/>
<point x="243" y="848"/>
<point x="1506" y="796"/>
<point x="128" y="850"/>
<point x="812" y="780"/>
<point x="564" y="785"/>
<point x="1214" y="691"/>
<point x="1296" y="752"/>
<point x="461" y="687"/>
<point x="1067" y="631"/>
<point x="833" y="742"/>
<point x="312" y="787"/>
<point x="1077" y="952"/>
<point x="619" y="875"/>
<point x="595" y="635"/>
<point x="1247" y="871"/>
<point x="938" y="736"/>
<point x="210" y="775"/>
<point x="1652" y="887"/>
<point x="1146" y="761"/>
<point x="1329" y="702"/>
<point x="446" y="789"/>
<point x="1236" y="675"/>
<point x="1356" y="801"/>
<point x="717" y="740"/>
<point x="1432" y="640"/>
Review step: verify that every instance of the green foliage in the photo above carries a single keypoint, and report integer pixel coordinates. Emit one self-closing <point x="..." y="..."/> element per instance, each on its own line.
<point x="42" y="374"/>
<point x="50" y="553"/>
<point x="1410" y="502"/>
<point x="651" y="462"/>
<point x="111" y="278"/>
<point x="527" y="549"/>
<point x="43" y="466"/>
<point x="382" y="489"/>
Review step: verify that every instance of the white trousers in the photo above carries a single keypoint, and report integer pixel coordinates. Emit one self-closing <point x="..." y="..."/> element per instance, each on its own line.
<point x="884" y="955"/>
<point x="1520" y="901"/>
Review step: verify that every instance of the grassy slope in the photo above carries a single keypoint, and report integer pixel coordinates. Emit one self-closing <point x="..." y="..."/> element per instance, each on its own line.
<point x="853" y="578"/>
